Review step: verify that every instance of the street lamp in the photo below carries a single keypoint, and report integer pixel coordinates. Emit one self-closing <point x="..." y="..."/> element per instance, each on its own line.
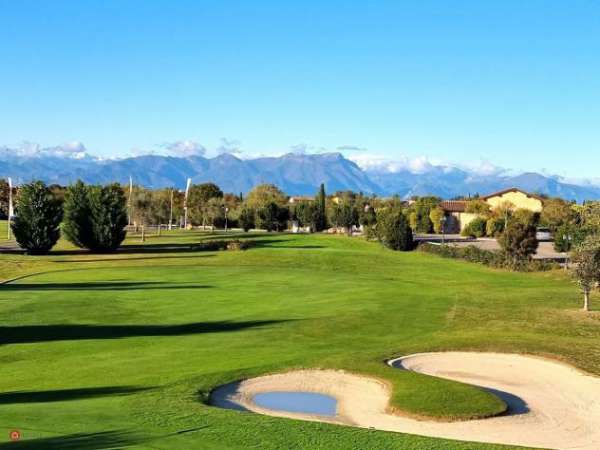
<point x="226" y="209"/>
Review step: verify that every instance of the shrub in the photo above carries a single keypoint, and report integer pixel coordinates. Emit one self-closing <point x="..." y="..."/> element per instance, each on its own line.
<point x="246" y="219"/>
<point x="489" y="258"/>
<point x="569" y="236"/>
<point x="95" y="216"/>
<point x="214" y="245"/>
<point x="393" y="230"/>
<point x="518" y="243"/>
<point x="494" y="226"/>
<point x="475" y="228"/>
<point x="36" y="226"/>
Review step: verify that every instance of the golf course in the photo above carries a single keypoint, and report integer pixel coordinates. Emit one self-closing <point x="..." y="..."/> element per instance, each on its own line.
<point x="123" y="350"/>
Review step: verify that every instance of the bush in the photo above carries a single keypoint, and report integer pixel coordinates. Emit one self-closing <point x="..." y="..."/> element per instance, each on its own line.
<point x="393" y="230"/>
<point x="246" y="219"/>
<point x="476" y="228"/>
<point x="95" y="216"/>
<point x="518" y="243"/>
<point x="215" y="245"/>
<point x="489" y="258"/>
<point x="569" y="236"/>
<point x="494" y="226"/>
<point x="36" y="226"/>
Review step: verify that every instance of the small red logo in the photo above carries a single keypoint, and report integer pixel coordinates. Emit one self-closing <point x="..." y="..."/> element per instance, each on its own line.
<point x="14" y="435"/>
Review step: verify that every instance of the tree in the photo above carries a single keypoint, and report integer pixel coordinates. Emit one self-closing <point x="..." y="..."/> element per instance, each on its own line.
<point x="142" y="208"/>
<point x="556" y="213"/>
<point x="478" y="206"/>
<point x="393" y="230"/>
<point x="518" y="243"/>
<point x="420" y="211"/>
<point x="77" y="220"/>
<point x="504" y="211"/>
<point x="321" y="210"/>
<point x="494" y="226"/>
<point x="436" y="215"/>
<point x="526" y="217"/>
<point x="305" y="214"/>
<point x="587" y="267"/>
<point x="36" y="226"/>
<point x="3" y="199"/>
<point x="198" y="201"/>
<point x="246" y="218"/>
<point x="475" y="228"/>
<point x="108" y="208"/>
<point x="569" y="236"/>
<point x="263" y="194"/>
<point x="347" y="216"/>
<point x="271" y="217"/>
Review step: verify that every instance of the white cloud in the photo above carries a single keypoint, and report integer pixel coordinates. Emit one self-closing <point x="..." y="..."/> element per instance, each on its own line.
<point x="377" y="163"/>
<point x="351" y="148"/>
<point x="185" y="148"/>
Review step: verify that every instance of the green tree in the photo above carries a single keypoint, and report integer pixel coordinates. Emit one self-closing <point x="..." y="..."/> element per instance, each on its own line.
<point x="556" y="213"/>
<point x="3" y="198"/>
<point x="246" y="218"/>
<point x="77" y="221"/>
<point x="587" y="267"/>
<point x="271" y="217"/>
<point x="475" y="228"/>
<point x="198" y="202"/>
<point x="478" y="206"/>
<point x="321" y="210"/>
<point x="263" y="194"/>
<point x="305" y="214"/>
<point x="526" y="217"/>
<point x="108" y="208"/>
<point x="393" y="230"/>
<point x="437" y="216"/>
<point x="494" y="226"/>
<point x="420" y="211"/>
<point x="518" y="242"/>
<point x="36" y="226"/>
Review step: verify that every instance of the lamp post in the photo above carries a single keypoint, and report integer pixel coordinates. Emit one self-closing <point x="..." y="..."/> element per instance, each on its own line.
<point x="226" y="209"/>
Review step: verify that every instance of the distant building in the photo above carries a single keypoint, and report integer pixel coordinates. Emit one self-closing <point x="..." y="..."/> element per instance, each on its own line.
<point x="458" y="217"/>
<point x="300" y="199"/>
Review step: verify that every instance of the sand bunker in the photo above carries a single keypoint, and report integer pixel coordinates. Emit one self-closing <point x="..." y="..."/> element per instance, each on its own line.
<point x="552" y="405"/>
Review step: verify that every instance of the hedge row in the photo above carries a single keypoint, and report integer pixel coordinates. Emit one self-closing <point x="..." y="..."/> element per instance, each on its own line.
<point x="214" y="245"/>
<point x="489" y="258"/>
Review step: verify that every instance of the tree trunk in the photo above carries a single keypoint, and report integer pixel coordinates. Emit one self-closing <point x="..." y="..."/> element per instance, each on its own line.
<point x="586" y="300"/>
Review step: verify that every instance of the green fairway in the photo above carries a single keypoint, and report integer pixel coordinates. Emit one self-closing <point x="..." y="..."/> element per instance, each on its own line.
<point x="109" y="351"/>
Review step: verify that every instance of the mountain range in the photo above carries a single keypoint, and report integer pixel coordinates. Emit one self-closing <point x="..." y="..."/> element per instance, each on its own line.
<point x="295" y="174"/>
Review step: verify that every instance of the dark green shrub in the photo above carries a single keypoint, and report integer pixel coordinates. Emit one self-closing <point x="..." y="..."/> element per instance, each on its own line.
<point x="476" y="228"/>
<point x="393" y="230"/>
<point x="77" y="221"/>
<point x="36" y="226"/>
<point x="518" y="243"/>
<point x="569" y="236"/>
<point x="494" y="226"/>
<point x="246" y="219"/>
<point x="215" y="245"/>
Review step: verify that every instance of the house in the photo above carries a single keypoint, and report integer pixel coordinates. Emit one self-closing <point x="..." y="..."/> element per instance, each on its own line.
<point x="457" y="217"/>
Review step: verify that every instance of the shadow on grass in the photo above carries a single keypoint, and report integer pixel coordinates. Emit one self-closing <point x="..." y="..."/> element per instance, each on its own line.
<point x="125" y="259"/>
<point x="78" y="441"/>
<point x="62" y="395"/>
<point x="72" y="332"/>
<point x="99" y="286"/>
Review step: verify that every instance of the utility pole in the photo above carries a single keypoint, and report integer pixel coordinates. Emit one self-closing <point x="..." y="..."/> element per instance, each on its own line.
<point x="129" y="200"/>
<point x="171" y="211"/>
<point x="185" y="205"/>
<point x="10" y="206"/>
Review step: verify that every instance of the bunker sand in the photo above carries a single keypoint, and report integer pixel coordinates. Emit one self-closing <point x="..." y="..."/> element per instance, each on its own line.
<point x="551" y="405"/>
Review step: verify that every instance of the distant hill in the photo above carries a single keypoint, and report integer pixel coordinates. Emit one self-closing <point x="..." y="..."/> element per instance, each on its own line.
<point x="296" y="174"/>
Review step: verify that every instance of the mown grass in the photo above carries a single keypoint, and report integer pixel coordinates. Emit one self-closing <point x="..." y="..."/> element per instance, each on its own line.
<point x="124" y="349"/>
<point x="3" y="230"/>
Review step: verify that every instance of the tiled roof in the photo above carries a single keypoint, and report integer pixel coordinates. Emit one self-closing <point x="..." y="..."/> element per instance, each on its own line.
<point x="506" y="191"/>
<point x="454" y="205"/>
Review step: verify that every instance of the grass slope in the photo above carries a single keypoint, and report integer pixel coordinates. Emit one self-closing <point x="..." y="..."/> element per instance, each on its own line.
<point x="102" y="351"/>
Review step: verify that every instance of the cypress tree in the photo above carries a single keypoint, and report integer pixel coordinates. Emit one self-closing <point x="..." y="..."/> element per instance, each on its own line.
<point x="320" y="212"/>
<point x="36" y="226"/>
<point x="77" y="224"/>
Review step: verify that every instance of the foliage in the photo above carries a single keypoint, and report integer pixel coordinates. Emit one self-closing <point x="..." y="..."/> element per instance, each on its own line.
<point x="494" y="226"/>
<point x="272" y="217"/>
<point x="472" y="253"/>
<point x="321" y="210"/>
<point x="108" y="210"/>
<point x="587" y="267"/>
<point x="437" y="216"/>
<point x="3" y="199"/>
<point x="557" y="213"/>
<point x="36" y="226"/>
<point x="518" y="242"/>
<point x="589" y="215"/>
<point x="476" y="228"/>
<point x="478" y="206"/>
<point x="344" y="214"/>
<point x="393" y="230"/>
<point x="77" y="221"/>
<point x="222" y="244"/>
<point x="305" y="213"/>
<point x="419" y="214"/>
<point x="526" y="217"/>
<point x="264" y="194"/>
<point x="200" y="207"/>
<point x="246" y="219"/>
<point x="568" y="236"/>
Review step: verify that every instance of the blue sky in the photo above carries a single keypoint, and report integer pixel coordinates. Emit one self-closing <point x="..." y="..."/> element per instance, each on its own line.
<point x="512" y="83"/>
